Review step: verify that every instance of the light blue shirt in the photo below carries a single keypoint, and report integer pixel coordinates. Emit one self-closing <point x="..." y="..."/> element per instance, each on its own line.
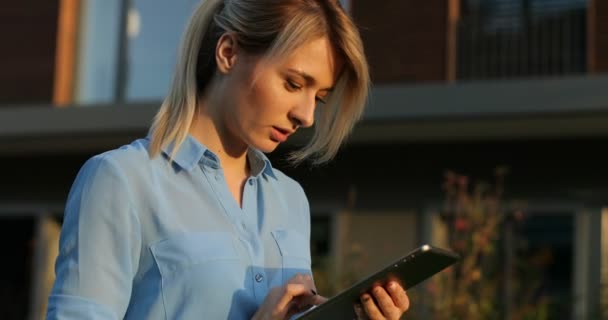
<point x="146" y="239"/>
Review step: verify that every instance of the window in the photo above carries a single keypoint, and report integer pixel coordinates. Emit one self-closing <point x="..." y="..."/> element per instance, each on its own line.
<point x="151" y="46"/>
<point x="547" y="252"/>
<point x="156" y="28"/>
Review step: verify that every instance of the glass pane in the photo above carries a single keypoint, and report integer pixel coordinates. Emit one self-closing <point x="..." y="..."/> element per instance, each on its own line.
<point x="155" y="30"/>
<point x="100" y="22"/>
<point x="548" y="256"/>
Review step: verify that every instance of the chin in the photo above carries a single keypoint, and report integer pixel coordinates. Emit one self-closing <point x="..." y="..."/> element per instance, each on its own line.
<point x="266" y="146"/>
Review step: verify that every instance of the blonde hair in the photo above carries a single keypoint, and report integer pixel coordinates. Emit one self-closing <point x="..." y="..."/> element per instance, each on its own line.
<point x="273" y="28"/>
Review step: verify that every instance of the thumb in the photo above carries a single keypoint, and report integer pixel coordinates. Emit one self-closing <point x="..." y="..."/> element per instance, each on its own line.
<point x="317" y="299"/>
<point x="311" y="300"/>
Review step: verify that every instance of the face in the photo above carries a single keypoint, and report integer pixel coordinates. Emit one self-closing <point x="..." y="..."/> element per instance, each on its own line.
<point x="264" y="102"/>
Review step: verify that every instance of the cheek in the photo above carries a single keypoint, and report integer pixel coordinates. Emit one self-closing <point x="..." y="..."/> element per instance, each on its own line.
<point x="260" y="98"/>
<point x="263" y="101"/>
<point x="232" y="112"/>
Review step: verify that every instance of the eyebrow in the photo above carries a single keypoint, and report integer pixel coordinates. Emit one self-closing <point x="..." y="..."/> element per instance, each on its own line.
<point x="309" y="79"/>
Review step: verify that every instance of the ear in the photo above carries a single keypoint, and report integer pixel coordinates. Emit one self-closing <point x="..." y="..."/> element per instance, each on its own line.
<point x="226" y="52"/>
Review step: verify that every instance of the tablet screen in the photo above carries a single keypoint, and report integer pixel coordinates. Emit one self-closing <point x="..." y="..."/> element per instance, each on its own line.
<point x="408" y="270"/>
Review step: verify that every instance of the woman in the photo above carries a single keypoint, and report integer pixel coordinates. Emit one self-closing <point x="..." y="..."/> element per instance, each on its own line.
<point x="193" y="222"/>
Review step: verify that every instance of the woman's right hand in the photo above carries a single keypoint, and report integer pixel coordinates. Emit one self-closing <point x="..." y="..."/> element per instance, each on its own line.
<point x="295" y="296"/>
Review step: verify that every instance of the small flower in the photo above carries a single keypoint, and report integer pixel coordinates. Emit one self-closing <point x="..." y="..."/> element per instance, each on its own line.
<point x="461" y="224"/>
<point x="483" y="241"/>
<point x="475" y="275"/>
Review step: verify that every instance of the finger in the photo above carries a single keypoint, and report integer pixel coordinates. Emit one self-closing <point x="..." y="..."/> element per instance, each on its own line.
<point x="318" y="299"/>
<point x="302" y="278"/>
<point x="290" y="291"/>
<point x="385" y="303"/>
<point x="307" y="299"/>
<point x="311" y="300"/>
<point x="294" y="308"/>
<point x="399" y="296"/>
<point x="359" y="311"/>
<point x="304" y="302"/>
<point x="370" y="308"/>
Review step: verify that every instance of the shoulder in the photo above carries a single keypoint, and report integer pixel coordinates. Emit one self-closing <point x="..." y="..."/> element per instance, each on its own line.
<point x="127" y="159"/>
<point x="124" y="166"/>
<point x="107" y="181"/>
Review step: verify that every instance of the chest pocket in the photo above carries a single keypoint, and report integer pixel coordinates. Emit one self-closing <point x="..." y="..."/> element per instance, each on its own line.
<point x="295" y="252"/>
<point x="200" y="271"/>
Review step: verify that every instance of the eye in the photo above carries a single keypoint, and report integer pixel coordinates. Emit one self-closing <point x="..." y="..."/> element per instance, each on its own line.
<point x="321" y="100"/>
<point x="292" y="85"/>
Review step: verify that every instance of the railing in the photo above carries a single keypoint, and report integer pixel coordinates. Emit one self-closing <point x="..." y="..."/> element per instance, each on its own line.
<point x="521" y="38"/>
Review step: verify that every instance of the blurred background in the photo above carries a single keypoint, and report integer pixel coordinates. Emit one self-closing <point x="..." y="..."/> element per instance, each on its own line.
<point x="483" y="134"/>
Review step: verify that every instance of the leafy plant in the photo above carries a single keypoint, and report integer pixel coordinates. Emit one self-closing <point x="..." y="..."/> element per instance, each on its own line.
<point x="485" y="284"/>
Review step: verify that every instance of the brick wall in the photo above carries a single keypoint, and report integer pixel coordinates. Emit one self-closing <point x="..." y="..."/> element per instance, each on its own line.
<point x="405" y="40"/>
<point x="28" y="33"/>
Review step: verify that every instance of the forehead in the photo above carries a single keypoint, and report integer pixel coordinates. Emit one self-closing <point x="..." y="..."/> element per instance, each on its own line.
<point x="317" y="58"/>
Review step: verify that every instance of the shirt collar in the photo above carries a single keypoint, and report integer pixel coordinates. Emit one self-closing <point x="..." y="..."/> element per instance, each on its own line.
<point x="189" y="153"/>
<point x="259" y="163"/>
<point x="192" y="152"/>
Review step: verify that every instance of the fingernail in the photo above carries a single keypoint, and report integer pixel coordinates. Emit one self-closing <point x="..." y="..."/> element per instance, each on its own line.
<point x="365" y="298"/>
<point x="314" y="293"/>
<point x="392" y="286"/>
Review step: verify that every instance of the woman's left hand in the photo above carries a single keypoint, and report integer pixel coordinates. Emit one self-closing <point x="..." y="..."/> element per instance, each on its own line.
<point x="388" y="302"/>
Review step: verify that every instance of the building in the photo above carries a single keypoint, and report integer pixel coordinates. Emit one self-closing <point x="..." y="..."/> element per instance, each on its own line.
<point x="458" y="84"/>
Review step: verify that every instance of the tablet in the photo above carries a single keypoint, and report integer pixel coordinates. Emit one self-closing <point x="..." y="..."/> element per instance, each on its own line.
<point x="409" y="270"/>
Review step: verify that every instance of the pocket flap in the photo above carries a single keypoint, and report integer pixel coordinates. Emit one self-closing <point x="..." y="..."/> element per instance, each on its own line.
<point x="292" y="243"/>
<point x="187" y="249"/>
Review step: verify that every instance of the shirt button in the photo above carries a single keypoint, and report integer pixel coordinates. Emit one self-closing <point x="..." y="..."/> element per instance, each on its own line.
<point x="259" y="277"/>
<point x="250" y="182"/>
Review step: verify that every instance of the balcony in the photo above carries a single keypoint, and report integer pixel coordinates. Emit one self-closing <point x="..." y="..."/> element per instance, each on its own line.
<point x="502" y="39"/>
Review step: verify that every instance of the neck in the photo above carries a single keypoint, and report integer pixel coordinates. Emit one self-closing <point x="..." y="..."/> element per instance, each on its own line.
<point x="209" y="130"/>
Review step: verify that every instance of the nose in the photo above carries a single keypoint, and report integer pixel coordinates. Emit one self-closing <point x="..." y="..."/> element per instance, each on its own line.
<point x="303" y="114"/>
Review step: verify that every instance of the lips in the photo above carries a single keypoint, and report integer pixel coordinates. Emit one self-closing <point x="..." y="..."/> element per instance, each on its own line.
<point x="280" y="134"/>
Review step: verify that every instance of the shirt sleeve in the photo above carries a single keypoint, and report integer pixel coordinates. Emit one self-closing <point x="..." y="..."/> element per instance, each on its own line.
<point x="99" y="246"/>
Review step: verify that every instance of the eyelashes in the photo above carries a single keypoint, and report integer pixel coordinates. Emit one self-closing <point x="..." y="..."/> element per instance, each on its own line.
<point x="293" y="86"/>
